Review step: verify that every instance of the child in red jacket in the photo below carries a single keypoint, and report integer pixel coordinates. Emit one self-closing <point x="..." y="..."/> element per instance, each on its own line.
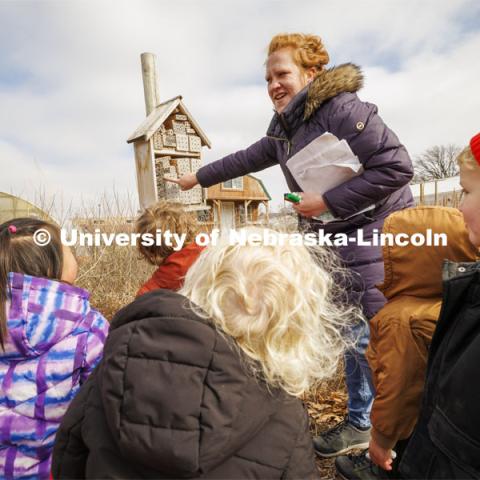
<point x="172" y="264"/>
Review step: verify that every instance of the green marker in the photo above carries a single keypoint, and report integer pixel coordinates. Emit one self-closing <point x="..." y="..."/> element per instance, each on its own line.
<point x="292" y="197"/>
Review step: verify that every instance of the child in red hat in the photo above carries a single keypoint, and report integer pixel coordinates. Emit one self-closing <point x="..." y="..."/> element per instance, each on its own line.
<point x="469" y="161"/>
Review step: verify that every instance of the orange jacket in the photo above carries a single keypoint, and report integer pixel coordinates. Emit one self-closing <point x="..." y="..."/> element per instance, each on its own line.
<point x="401" y="332"/>
<point x="171" y="273"/>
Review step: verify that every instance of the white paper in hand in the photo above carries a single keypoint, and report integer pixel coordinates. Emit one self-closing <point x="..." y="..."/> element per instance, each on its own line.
<point x="323" y="164"/>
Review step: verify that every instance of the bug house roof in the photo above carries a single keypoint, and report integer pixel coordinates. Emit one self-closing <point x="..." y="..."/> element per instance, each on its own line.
<point x="154" y="122"/>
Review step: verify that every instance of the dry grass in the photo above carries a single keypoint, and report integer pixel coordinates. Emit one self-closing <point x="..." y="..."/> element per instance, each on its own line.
<point x="113" y="277"/>
<point x="326" y="407"/>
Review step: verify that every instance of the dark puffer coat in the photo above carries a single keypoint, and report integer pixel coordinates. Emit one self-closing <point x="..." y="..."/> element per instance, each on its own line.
<point x="172" y="398"/>
<point x="446" y="441"/>
<point x="330" y="104"/>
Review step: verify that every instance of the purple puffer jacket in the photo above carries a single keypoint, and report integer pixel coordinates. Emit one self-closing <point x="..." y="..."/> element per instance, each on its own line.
<point x="330" y="104"/>
<point x="55" y="340"/>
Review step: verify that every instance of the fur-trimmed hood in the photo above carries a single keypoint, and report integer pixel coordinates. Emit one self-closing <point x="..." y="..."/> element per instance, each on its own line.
<point x="344" y="78"/>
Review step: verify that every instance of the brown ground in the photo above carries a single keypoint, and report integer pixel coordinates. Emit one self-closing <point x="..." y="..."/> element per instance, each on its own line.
<point x="326" y="407"/>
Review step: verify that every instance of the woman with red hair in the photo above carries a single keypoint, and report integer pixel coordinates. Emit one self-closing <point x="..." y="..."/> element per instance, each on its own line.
<point x="312" y="101"/>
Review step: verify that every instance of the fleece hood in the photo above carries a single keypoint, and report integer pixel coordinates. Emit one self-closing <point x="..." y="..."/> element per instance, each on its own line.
<point x="40" y="313"/>
<point x="423" y="277"/>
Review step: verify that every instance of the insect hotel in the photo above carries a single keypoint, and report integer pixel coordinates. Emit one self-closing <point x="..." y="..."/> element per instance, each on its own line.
<point x="168" y="143"/>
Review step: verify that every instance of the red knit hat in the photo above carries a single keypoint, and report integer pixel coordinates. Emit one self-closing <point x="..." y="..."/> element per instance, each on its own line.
<point x="475" y="147"/>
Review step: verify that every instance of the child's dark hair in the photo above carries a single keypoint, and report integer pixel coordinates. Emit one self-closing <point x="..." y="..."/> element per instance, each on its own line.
<point x="19" y="253"/>
<point x="163" y="216"/>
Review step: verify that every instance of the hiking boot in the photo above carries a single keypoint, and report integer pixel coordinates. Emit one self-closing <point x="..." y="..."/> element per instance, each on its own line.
<point x="342" y="438"/>
<point x="358" y="467"/>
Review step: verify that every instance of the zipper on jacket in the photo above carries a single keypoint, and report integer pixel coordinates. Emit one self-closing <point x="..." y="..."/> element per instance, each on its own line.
<point x="287" y="131"/>
<point x="284" y="124"/>
<point x="289" y="143"/>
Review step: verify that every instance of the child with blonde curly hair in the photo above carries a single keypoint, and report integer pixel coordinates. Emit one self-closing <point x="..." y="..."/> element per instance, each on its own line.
<point x="277" y="305"/>
<point x="172" y="262"/>
<point x="204" y="383"/>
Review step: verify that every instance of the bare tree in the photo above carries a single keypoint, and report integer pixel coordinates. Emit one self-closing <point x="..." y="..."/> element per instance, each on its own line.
<point x="436" y="163"/>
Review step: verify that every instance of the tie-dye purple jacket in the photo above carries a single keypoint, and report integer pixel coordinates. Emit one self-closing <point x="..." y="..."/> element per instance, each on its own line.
<point x="55" y="340"/>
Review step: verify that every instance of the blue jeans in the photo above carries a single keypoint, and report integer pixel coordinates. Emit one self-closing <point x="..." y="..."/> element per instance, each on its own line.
<point x="358" y="378"/>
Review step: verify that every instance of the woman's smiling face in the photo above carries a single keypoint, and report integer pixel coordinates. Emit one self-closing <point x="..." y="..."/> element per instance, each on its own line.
<point x="285" y="78"/>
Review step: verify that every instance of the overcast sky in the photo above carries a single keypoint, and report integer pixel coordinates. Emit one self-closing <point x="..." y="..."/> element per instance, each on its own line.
<point x="71" y="89"/>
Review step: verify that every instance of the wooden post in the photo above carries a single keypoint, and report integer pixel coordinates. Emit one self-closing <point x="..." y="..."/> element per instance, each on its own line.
<point x="145" y="168"/>
<point x="436" y="193"/>
<point x="217" y="209"/>
<point x="150" y="82"/>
